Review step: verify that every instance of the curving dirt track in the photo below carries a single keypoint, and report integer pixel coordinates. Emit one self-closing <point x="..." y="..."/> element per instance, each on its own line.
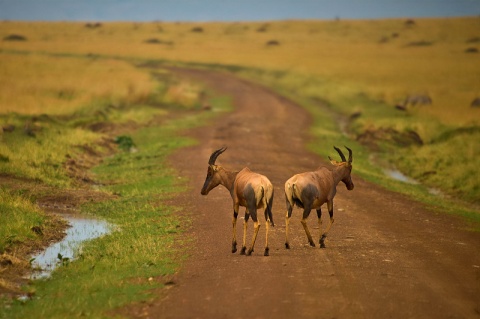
<point x="386" y="256"/>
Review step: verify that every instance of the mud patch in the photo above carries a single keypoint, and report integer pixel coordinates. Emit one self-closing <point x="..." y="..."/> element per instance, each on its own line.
<point x="15" y="262"/>
<point x="371" y="137"/>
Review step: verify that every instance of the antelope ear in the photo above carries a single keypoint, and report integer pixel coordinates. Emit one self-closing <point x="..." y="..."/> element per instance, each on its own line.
<point x="334" y="162"/>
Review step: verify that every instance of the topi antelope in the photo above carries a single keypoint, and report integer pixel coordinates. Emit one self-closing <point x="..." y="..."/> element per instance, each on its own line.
<point x="311" y="190"/>
<point x="248" y="189"/>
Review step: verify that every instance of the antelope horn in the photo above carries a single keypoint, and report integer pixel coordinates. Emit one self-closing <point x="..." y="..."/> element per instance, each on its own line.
<point x="340" y="153"/>
<point x="215" y="154"/>
<point x="350" y="155"/>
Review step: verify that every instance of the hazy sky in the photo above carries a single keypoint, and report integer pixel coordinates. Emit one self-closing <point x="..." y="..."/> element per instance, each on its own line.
<point x="231" y="10"/>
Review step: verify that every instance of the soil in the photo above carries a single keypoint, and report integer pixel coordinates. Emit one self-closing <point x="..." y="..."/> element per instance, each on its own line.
<point x="386" y="256"/>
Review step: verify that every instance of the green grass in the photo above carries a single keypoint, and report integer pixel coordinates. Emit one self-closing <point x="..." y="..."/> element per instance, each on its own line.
<point x="148" y="242"/>
<point x="48" y="141"/>
<point x="19" y="215"/>
<point x="448" y="165"/>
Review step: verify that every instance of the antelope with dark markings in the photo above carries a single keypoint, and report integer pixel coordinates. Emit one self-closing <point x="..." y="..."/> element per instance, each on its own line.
<point x="248" y="189"/>
<point x="311" y="190"/>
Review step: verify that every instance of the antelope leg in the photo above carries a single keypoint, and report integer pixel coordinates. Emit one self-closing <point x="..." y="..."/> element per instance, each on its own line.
<point x="306" y="212"/>
<point x="330" y="212"/>
<point x="309" y="236"/>
<point x="267" y="225"/>
<point x="244" y="245"/>
<point x="256" y="225"/>
<point x="319" y="215"/>
<point x="287" y="223"/>
<point x="234" y="240"/>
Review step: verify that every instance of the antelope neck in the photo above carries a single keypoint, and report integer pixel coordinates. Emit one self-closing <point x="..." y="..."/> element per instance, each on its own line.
<point x="227" y="179"/>
<point x="339" y="173"/>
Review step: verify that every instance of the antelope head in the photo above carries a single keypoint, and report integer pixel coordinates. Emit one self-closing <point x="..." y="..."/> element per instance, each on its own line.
<point x="346" y="178"/>
<point x="213" y="178"/>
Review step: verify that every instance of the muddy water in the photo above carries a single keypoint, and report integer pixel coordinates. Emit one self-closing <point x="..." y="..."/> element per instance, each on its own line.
<point x="82" y="229"/>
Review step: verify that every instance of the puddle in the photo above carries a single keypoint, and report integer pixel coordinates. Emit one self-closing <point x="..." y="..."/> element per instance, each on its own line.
<point x="436" y="192"/>
<point x="82" y="229"/>
<point x="399" y="176"/>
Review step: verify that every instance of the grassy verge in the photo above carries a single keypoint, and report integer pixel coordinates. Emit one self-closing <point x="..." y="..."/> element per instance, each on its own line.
<point x="143" y="250"/>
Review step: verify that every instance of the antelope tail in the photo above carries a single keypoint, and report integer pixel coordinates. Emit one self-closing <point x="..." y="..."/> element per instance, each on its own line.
<point x="295" y="199"/>
<point x="267" y="203"/>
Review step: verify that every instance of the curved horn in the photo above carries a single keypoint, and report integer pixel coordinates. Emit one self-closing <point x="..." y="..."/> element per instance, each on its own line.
<point x="340" y="153"/>
<point x="215" y="154"/>
<point x="350" y="155"/>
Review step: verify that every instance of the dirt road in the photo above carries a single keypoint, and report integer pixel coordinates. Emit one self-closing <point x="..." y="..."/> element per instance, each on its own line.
<point x="386" y="256"/>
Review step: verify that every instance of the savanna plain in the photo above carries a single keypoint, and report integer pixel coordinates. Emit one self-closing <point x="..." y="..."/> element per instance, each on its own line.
<point x="90" y="114"/>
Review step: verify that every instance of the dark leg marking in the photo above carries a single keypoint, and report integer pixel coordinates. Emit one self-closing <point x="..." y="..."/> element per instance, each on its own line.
<point x="322" y="241"/>
<point x="234" y="241"/>
<point x="242" y="252"/>
<point x="266" y="252"/>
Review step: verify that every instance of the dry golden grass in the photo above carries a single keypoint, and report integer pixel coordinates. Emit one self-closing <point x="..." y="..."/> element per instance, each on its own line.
<point x="35" y="84"/>
<point x="385" y="59"/>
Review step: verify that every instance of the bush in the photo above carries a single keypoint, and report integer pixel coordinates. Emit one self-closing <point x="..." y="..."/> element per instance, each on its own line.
<point x="14" y="37"/>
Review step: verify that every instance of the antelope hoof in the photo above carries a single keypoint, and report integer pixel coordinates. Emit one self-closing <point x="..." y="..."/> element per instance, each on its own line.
<point x="242" y="252"/>
<point x="234" y="247"/>
<point x="266" y="252"/>
<point x="312" y="244"/>
<point x="249" y="252"/>
<point x="287" y="245"/>
<point x="322" y="241"/>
